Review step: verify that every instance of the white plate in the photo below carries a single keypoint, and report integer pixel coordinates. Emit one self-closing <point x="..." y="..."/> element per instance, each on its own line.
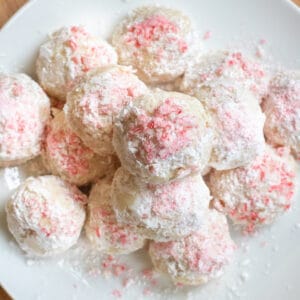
<point x="267" y="266"/>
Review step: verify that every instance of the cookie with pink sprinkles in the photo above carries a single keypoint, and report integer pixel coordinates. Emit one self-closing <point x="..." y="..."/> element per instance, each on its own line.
<point x="24" y="113"/>
<point x="93" y="104"/>
<point x="199" y="257"/>
<point x="69" y="53"/>
<point x="157" y="41"/>
<point x="45" y="215"/>
<point x="160" y="211"/>
<point x="102" y="228"/>
<point x="162" y="136"/>
<point x="282" y="109"/>
<point x="226" y="69"/>
<point x="256" y="194"/>
<point x="64" y="154"/>
<point x="238" y="127"/>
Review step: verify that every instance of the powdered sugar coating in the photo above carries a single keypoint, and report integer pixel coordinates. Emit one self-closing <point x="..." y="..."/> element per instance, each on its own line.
<point x="64" y="154"/>
<point x="256" y="194"/>
<point x="102" y="228"/>
<point x="199" y="257"/>
<point x="45" y="215"/>
<point x="238" y="127"/>
<point x="69" y="53"/>
<point x="226" y="69"/>
<point x="157" y="41"/>
<point x="96" y="100"/>
<point x="24" y="112"/>
<point x="163" y="211"/>
<point x="163" y="136"/>
<point x="282" y="109"/>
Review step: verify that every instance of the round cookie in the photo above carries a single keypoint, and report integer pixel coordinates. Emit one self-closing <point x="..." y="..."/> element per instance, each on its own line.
<point x="24" y="112"/>
<point x="282" y="109"/>
<point x="256" y="194"/>
<point x="102" y="228"/>
<point x="45" y="215"/>
<point x="162" y="136"/>
<point x="157" y="41"/>
<point x="199" y="257"/>
<point x="227" y="69"/>
<point x="238" y="127"/>
<point x="96" y="100"/>
<point x="69" y="53"/>
<point x="64" y="154"/>
<point x="161" y="212"/>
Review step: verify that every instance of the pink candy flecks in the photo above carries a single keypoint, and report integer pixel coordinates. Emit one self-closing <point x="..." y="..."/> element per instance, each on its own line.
<point x="73" y="157"/>
<point x="94" y="53"/>
<point x="110" y="229"/>
<point x="166" y="132"/>
<point x="285" y="187"/>
<point x="154" y="29"/>
<point x="167" y="198"/>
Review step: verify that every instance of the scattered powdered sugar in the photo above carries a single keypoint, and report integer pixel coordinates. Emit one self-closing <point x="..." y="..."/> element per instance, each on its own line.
<point x="11" y="177"/>
<point x="88" y="266"/>
<point x="14" y="176"/>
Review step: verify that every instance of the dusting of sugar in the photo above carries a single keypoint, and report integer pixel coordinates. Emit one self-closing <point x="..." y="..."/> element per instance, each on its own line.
<point x="64" y="154"/>
<point x="266" y="187"/>
<point x="244" y="276"/>
<point x="282" y="109"/>
<point x="12" y="177"/>
<point x="161" y="211"/>
<point x="234" y="289"/>
<point x="168" y="130"/>
<point x="49" y="208"/>
<point x="102" y="228"/>
<point x="145" y="139"/>
<point x="95" y="102"/>
<point x="189" y="260"/>
<point x="77" y="51"/>
<point x="160" y="34"/>
<point x="24" y="111"/>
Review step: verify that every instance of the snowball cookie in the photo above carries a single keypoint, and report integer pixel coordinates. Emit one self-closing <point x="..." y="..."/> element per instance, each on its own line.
<point x="256" y="194"/>
<point x="65" y="155"/>
<point x="199" y="257"/>
<point x="162" y="136"/>
<point x="45" y="215"/>
<point x="157" y="41"/>
<point x="227" y="69"/>
<point x="69" y="53"/>
<point x="238" y="126"/>
<point x="24" y="112"/>
<point x="282" y="109"/>
<point x="102" y="228"/>
<point x="93" y="104"/>
<point x="162" y="211"/>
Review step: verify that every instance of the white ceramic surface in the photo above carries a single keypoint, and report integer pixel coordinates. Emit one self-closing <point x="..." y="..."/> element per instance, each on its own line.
<point x="267" y="266"/>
